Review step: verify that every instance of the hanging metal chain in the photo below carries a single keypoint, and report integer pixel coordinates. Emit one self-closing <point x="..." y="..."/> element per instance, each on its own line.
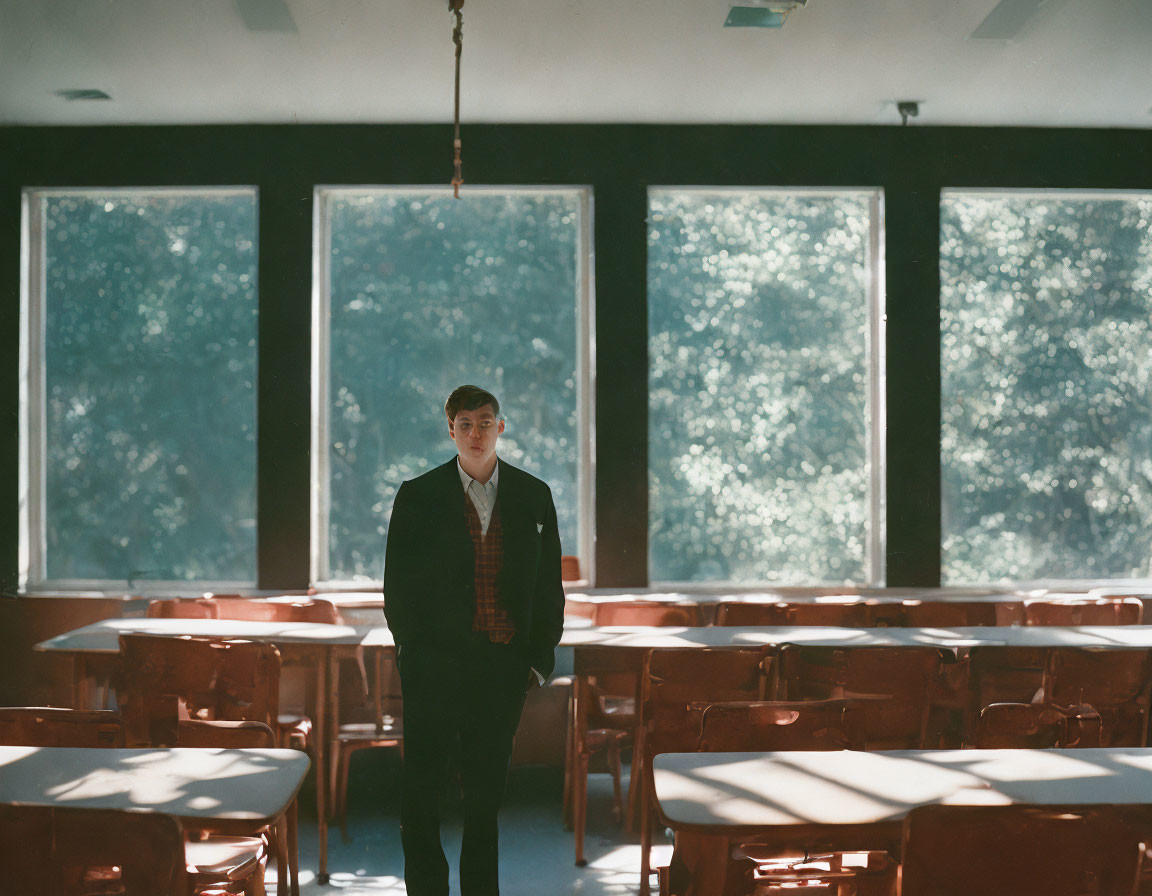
<point x="455" y="6"/>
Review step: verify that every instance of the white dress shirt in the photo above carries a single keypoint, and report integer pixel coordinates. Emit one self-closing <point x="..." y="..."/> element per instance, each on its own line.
<point x="482" y="494"/>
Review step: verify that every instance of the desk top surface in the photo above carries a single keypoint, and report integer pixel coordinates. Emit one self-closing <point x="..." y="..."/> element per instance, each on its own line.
<point x="192" y="784"/>
<point x="373" y="600"/>
<point x="103" y="636"/>
<point x="797" y="596"/>
<point x="709" y="790"/>
<point x="1102" y="636"/>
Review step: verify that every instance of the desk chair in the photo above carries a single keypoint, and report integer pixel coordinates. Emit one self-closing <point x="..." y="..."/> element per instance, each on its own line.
<point x="611" y="699"/>
<point x="79" y="852"/>
<point x="164" y="681"/>
<point x="746" y="613"/>
<point x="569" y="568"/>
<point x="648" y="612"/>
<point x="896" y="688"/>
<point x="1021" y="850"/>
<point x="1036" y="726"/>
<point x="1090" y="611"/>
<point x="294" y="729"/>
<point x="949" y="614"/>
<point x="385" y="731"/>
<point x="216" y="860"/>
<point x="853" y="615"/>
<point x="1117" y="683"/>
<point x="676" y="683"/>
<point x="599" y="724"/>
<point x="757" y="726"/>
<point x="53" y="726"/>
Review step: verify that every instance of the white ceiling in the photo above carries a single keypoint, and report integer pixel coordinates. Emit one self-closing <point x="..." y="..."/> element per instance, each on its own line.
<point x="1080" y="63"/>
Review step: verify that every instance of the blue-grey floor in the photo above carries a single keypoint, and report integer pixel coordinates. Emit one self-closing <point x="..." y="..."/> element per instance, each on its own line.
<point x="536" y="853"/>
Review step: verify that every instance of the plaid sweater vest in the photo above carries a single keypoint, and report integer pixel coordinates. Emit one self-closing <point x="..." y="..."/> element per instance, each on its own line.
<point x="488" y="550"/>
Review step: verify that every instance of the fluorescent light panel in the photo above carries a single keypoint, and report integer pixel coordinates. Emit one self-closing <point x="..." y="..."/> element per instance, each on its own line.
<point x="754" y="17"/>
<point x="760" y="13"/>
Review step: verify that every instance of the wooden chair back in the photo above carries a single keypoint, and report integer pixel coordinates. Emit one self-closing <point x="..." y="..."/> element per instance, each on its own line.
<point x="255" y="610"/>
<point x="569" y="568"/>
<point x="819" y="673"/>
<point x="224" y="735"/>
<point x="182" y="608"/>
<point x="895" y="688"/>
<point x="676" y="679"/>
<point x="1005" y="675"/>
<point x="676" y="685"/>
<point x="1036" y="726"/>
<point x="852" y="615"/>
<point x="883" y="614"/>
<point x="1115" y="682"/>
<point x="81" y="852"/>
<point x="947" y="614"/>
<point x="583" y="609"/>
<point x="164" y="679"/>
<point x="53" y="726"/>
<point x="738" y="612"/>
<point x="1022" y="850"/>
<point x="1091" y="611"/>
<point x="647" y="613"/>
<point x="749" y="726"/>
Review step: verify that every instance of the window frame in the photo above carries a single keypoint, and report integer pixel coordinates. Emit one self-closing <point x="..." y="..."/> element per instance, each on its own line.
<point x="1125" y="585"/>
<point x="875" y="410"/>
<point x="320" y="495"/>
<point x="32" y="483"/>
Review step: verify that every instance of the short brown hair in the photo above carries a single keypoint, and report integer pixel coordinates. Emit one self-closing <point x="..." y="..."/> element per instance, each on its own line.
<point x="469" y="398"/>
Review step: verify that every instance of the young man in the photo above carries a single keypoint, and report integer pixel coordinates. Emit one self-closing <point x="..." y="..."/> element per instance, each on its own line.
<point x="473" y="597"/>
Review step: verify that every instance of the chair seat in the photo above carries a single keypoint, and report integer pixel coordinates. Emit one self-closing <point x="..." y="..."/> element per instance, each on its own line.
<point x="293" y="722"/>
<point x="621" y="710"/>
<point x="294" y="731"/>
<point x="840" y="873"/>
<point x="222" y="858"/>
<point x="599" y="738"/>
<point x="350" y="738"/>
<point x="823" y="867"/>
<point x="392" y="729"/>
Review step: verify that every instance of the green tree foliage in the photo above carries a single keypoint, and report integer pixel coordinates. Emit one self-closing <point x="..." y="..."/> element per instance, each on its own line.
<point x="427" y="293"/>
<point x="150" y="364"/>
<point x="758" y="316"/>
<point x="1046" y="355"/>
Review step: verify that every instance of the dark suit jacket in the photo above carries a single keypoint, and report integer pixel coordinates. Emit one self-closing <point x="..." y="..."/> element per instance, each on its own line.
<point x="429" y="589"/>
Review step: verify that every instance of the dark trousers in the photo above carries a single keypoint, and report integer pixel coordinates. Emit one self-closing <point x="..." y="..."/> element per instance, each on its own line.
<point x="472" y="692"/>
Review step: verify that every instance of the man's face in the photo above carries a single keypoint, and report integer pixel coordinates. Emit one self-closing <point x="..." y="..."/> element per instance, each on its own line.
<point x="475" y="434"/>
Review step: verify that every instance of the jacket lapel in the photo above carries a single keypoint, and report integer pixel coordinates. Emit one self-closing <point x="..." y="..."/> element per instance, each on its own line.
<point x="513" y="513"/>
<point x="449" y="512"/>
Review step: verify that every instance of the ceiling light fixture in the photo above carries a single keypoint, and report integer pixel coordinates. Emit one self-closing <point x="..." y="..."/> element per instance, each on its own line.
<point x="455" y="7"/>
<point x="82" y="93"/>
<point x="907" y="109"/>
<point x="760" y="13"/>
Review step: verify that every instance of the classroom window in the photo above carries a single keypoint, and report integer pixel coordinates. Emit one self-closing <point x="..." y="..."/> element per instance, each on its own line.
<point x="419" y="293"/>
<point x="1046" y="379"/>
<point x="138" y="433"/>
<point x="765" y="417"/>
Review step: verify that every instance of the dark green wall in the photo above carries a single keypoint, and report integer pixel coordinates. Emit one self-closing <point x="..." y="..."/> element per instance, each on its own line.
<point x="911" y="164"/>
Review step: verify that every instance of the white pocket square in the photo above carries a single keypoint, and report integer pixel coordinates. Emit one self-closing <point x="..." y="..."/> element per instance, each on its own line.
<point x="539" y="528"/>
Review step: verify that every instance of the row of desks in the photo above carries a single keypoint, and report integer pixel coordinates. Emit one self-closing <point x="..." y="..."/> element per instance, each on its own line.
<point x="103" y="637"/>
<point x="213" y="790"/>
<point x="95" y="647"/>
<point x="322" y="645"/>
<point x="860" y="800"/>
<point x="201" y="787"/>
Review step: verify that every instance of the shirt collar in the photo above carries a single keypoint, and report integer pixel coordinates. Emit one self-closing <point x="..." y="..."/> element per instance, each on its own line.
<point x="466" y="480"/>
